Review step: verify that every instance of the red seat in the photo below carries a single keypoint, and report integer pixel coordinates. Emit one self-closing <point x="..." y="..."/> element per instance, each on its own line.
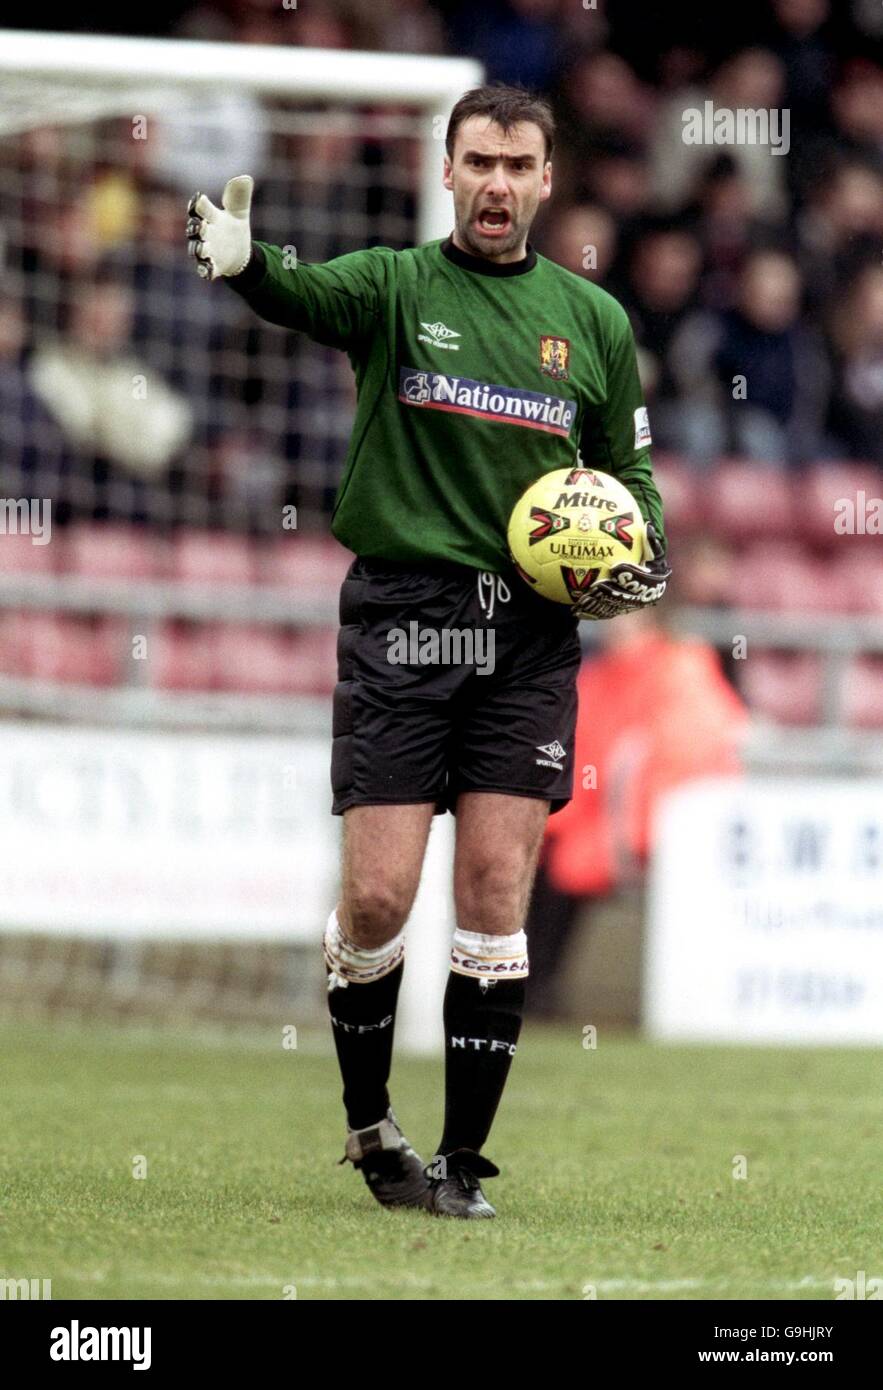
<point x="785" y="578"/>
<point x="774" y="578"/>
<point x="748" y="502"/>
<point x="58" y="647"/>
<point x="314" y="668"/>
<point x="828" y="491"/>
<point x="20" y="554"/>
<point x="783" y="686"/>
<point x="310" y="566"/>
<point x="861" y="576"/>
<point x="250" y="659"/>
<point x="179" y="656"/>
<point x="212" y="557"/>
<point x="863" y="693"/>
<point x="111" y="552"/>
<point x="679" y="488"/>
<point x="705" y="572"/>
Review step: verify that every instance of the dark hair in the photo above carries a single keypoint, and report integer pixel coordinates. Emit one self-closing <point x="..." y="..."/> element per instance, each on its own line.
<point x="507" y="106"/>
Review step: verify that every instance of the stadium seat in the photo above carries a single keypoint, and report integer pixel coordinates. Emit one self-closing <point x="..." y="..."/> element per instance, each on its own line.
<point x="704" y="572"/>
<point x="20" y="554"/>
<point x="863" y="693"/>
<point x="861" y="577"/>
<point x="180" y="657"/>
<point x="311" y="566"/>
<point x="58" y="647"/>
<point x="774" y="578"/>
<point x="787" y="578"/>
<point x="314" y="670"/>
<point x="111" y="552"/>
<point x="677" y="484"/>
<point x="783" y="686"/>
<point x="213" y="557"/>
<point x="748" y="501"/>
<point x="250" y="659"/>
<point x="819" y="491"/>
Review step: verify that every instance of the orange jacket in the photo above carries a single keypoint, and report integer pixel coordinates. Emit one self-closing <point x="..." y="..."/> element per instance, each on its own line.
<point x="653" y="713"/>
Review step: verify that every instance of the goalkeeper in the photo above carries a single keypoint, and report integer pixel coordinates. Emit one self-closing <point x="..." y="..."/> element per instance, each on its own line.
<point x="479" y="365"/>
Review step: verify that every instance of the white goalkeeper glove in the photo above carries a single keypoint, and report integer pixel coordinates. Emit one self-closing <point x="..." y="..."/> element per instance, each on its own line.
<point x="220" y="238"/>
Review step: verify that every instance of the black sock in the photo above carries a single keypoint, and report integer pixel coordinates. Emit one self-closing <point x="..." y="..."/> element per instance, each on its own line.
<point x="482" y="1023"/>
<point x="363" y="1018"/>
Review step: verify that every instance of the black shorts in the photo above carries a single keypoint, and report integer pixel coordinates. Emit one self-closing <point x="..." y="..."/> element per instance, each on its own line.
<point x="451" y="680"/>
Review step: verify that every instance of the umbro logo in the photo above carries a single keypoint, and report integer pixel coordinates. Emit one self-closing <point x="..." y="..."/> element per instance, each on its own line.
<point x="555" y="755"/>
<point x="438" y="335"/>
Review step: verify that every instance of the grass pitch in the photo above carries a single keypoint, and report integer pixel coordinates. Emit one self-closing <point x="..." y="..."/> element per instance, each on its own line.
<point x="617" y="1178"/>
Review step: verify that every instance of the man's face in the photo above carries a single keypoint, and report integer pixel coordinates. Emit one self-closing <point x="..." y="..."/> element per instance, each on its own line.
<point x="498" y="182"/>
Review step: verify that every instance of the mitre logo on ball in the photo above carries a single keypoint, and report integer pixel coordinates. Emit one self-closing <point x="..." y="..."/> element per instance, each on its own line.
<point x="570" y="528"/>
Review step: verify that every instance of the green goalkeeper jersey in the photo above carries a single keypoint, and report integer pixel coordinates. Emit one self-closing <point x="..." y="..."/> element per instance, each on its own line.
<point x="473" y="379"/>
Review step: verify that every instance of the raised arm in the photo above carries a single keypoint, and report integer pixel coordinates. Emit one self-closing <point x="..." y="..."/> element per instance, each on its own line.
<point x="338" y="303"/>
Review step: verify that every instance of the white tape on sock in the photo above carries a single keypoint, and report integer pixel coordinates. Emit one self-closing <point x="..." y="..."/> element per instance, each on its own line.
<point x="489" y="957"/>
<point x="351" y="964"/>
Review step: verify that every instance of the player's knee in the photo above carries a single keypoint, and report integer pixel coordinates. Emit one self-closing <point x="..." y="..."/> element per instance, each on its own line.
<point x="491" y="892"/>
<point x="374" y="913"/>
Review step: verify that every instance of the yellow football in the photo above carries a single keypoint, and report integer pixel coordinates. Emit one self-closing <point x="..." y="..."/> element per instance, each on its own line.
<point x="570" y="528"/>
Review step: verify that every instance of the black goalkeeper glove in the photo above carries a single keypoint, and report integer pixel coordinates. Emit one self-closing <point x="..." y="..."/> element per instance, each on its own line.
<point x="629" y="588"/>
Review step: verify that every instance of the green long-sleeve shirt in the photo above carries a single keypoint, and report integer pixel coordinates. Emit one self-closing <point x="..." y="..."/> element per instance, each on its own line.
<point x="473" y="379"/>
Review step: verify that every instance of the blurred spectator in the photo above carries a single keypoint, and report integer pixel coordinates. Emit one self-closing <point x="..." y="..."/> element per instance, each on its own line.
<point x="801" y="41"/>
<point x="582" y="237"/>
<point x="516" y="40"/>
<point x="753" y="80"/>
<point x="32" y="450"/>
<point x="113" y="409"/>
<point x="620" y="180"/>
<point x="409" y="26"/>
<point x="841" y="226"/>
<point x="661" y="297"/>
<point x="771" y="368"/>
<point x="603" y="106"/>
<point x="723" y="219"/>
<point x="857" y="106"/>
<point x="856" y="418"/>
<point x="184" y="331"/>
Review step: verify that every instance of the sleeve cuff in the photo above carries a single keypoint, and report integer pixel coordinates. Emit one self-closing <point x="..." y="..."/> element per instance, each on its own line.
<point x="253" y="274"/>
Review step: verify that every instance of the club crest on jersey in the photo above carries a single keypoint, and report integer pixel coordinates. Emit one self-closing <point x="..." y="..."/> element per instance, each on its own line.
<point x="618" y="526"/>
<point x="578" y="581"/>
<point x="554" y="356"/>
<point x="547" y="524"/>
